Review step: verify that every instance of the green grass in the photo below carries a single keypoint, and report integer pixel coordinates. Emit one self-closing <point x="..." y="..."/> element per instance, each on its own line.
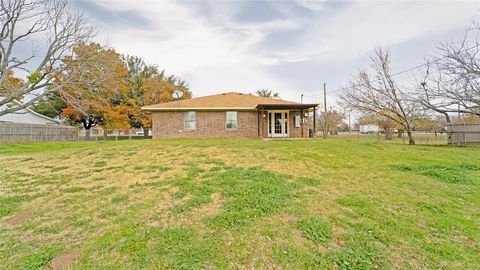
<point x="316" y="230"/>
<point x="461" y="173"/>
<point x="39" y="259"/>
<point x="240" y="204"/>
<point x="9" y="204"/>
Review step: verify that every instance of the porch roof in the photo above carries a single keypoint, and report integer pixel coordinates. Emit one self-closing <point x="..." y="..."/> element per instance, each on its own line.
<point x="297" y="106"/>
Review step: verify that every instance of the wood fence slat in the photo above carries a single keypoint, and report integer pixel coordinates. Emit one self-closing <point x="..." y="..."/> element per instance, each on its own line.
<point x="463" y="134"/>
<point x="20" y="132"/>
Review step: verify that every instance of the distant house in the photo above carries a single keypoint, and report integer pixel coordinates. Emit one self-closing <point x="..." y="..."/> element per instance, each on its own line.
<point x="26" y="116"/>
<point x="232" y="115"/>
<point x="369" y="129"/>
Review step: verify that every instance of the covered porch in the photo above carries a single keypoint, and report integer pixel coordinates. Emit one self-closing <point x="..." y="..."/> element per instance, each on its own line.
<point x="286" y="120"/>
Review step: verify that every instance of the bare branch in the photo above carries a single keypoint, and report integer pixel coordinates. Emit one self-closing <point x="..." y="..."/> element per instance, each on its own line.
<point x="60" y="27"/>
<point x="375" y="91"/>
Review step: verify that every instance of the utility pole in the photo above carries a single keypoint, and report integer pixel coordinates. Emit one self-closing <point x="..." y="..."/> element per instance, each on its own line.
<point x="325" y="127"/>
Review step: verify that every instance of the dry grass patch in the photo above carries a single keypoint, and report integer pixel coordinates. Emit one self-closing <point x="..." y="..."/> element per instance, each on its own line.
<point x="240" y="204"/>
<point x="20" y="218"/>
<point x="65" y="260"/>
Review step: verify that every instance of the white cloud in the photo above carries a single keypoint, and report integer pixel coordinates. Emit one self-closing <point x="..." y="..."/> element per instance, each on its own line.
<point x="214" y="52"/>
<point x="211" y="57"/>
<point x="357" y="28"/>
<point x="316" y="5"/>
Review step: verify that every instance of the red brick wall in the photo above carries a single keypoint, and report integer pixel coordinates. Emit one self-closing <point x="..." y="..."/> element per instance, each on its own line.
<point x="296" y="132"/>
<point x="208" y="124"/>
<point x="212" y="124"/>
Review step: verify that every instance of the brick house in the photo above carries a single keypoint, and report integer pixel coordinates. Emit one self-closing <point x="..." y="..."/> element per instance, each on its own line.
<point x="232" y="115"/>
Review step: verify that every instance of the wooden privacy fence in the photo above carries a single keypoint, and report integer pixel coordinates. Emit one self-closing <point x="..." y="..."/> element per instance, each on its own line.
<point x="20" y="132"/>
<point x="464" y="134"/>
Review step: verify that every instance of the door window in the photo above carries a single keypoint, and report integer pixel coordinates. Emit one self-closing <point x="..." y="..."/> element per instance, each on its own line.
<point x="278" y="123"/>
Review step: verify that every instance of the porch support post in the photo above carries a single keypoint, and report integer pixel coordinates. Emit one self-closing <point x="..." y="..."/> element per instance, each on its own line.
<point x="258" y="122"/>
<point x="314" y="121"/>
<point x="301" y="121"/>
<point x="262" y="121"/>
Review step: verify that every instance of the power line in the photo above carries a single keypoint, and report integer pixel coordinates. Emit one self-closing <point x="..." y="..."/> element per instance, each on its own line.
<point x="394" y="74"/>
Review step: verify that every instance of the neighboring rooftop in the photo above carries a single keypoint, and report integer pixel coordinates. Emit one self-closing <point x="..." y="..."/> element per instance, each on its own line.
<point x="230" y="100"/>
<point x="25" y="115"/>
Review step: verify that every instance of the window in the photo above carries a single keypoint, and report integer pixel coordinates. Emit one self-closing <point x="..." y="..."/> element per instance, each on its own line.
<point x="297" y="121"/>
<point x="189" y="120"/>
<point x="232" y="122"/>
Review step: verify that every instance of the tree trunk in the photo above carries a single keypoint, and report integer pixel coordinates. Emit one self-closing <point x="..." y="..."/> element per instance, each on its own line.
<point x="87" y="125"/>
<point x="87" y="134"/>
<point x="411" y="141"/>
<point x="388" y="134"/>
<point x="447" y="117"/>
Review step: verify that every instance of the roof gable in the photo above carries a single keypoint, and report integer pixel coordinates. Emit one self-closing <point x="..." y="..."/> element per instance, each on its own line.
<point x="25" y="115"/>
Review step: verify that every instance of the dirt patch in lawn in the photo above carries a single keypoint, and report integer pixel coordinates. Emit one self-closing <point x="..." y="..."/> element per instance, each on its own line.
<point x="20" y="218"/>
<point x="64" y="260"/>
<point x="208" y="210"/>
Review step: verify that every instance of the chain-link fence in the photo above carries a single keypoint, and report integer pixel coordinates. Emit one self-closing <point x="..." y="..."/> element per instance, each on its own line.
<point x="114" y="134"/>
<point x="421" y="138"/>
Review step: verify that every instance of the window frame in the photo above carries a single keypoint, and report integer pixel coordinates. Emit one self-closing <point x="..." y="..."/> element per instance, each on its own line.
<point x="187" y="120"/>
<point x="229" y="121"/>
<point x="298" y="121"/>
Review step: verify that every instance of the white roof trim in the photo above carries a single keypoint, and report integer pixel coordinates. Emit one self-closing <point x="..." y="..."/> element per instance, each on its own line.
<point x="172" y="109"/>
<point x="34" y="112"/>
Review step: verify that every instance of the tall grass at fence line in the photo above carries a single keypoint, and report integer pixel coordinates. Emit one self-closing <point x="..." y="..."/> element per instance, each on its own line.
<point x="421" y="138"/>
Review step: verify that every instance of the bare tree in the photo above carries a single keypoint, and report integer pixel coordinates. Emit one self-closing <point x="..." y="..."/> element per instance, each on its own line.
<point x="329" y="122"/>
<point x="52" y="29"/>
<point x="386" y="124"/>
<point x="431" y="97"/>
<point x="375" y="91"/>
<point x="267" y="93"/>
<point x="452" y="78"/>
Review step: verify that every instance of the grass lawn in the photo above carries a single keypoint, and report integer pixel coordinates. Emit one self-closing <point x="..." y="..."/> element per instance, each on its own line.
<point x="240" y="204"/>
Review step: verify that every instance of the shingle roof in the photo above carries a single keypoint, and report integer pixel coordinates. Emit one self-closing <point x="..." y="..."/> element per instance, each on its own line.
<point x="230" y="100"/>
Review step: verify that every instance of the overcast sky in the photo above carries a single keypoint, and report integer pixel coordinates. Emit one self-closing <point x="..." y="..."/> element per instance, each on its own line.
<point x="291" y="47"/>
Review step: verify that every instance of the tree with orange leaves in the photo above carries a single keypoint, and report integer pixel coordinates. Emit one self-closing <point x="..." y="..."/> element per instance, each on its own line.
<point x="148" y="85"/>
<point x="96" y="77"/>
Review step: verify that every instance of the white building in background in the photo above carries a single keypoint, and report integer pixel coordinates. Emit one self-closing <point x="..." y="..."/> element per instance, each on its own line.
<point x="369" y="129"/>
<point x="26" y="116"/>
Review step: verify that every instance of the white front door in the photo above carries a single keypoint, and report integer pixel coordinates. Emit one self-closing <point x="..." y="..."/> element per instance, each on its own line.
<point x="278" y="124"/>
